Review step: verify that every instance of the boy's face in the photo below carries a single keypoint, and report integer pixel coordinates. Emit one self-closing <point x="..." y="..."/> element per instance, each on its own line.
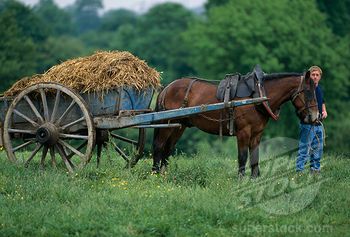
<point x="315" y="75"/>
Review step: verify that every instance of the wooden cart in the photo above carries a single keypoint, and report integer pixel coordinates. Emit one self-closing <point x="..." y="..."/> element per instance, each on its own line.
<point x="48" y="122"/>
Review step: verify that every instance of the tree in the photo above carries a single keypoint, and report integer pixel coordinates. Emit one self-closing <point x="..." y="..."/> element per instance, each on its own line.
<point x="85" y="13"/>
<point x="21" y="31"/>
<point x="113" y="19"/>
<point x="17" y="53"/>
<point x="215" y="3"/>
<point x="58" y="49"/>
<point x="338" y="15"/>
<point x="159" y="39"/>
<point x="29" y="23"/>
<point x="58" y="21"/>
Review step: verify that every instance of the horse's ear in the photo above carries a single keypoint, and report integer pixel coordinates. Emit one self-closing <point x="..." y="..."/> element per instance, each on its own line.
<point x="307" y="74"/>
<point x="307" y="77"/>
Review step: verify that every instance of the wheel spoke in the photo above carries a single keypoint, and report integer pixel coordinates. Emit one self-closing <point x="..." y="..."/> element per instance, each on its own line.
<point x="65" y="113"/>
<point x="55" y="107"/>
<point x="32" y="106"/>
<point x="37" y="148"/>
<point x="26" y="118"/>
<point x="73" y="123"/>
<point x="43" y="156"/>
<point x="78" y="148"/>
<point x="44" y="100"/>
<point x="124" y="139"/>
<point x="64" y="158"/>
<point x="52" y="154"/>
<point x="125" y="157"/>
<point x="108" y="154"/>
<point x="65" y="144"/>
<point x="73" y="136"/>
<point x="23" y="145"/>
<point x="12" y="130"/>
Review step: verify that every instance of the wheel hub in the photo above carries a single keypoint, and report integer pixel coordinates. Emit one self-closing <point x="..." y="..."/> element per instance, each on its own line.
<point x="47" y="134"/>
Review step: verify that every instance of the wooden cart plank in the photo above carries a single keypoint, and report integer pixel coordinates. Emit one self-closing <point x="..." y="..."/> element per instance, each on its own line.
<point x="114" y="122"/>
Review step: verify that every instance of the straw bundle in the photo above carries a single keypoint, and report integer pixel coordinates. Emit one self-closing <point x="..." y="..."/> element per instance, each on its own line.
<point x="101" y="72"/>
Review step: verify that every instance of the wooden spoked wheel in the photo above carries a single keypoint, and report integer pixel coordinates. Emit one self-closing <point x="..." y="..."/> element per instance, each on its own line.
<point x="47" y="121"/>
<point x="129" y="144"/>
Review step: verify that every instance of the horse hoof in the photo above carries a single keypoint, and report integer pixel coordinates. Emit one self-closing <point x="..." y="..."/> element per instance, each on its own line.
<point x="241" y="176"/>
<point x="155" y="171"/>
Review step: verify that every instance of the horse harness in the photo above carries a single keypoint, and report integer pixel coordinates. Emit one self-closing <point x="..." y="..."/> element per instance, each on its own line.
<point x="236" y="85"/>
<point x="221" y="120"/>
<point x="296" y="95"/>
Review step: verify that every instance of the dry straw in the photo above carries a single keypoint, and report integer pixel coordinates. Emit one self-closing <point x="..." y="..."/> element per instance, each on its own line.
<point x="99" y="72"/>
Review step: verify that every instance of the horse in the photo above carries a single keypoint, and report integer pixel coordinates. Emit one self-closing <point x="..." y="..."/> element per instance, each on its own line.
<point x="249" y="120"/>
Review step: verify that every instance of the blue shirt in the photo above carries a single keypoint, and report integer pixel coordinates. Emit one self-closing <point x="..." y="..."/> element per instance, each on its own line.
<point x="319" y="98"/>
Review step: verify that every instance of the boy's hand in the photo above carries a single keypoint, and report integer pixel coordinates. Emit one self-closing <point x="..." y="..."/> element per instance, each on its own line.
<point x="324" y="114"/>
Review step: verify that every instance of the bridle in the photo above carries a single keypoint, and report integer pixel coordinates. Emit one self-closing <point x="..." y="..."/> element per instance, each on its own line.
<point x="297" y="95"/>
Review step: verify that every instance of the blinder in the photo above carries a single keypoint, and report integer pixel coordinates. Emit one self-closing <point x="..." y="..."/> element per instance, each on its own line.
<point x="306" y="88"/>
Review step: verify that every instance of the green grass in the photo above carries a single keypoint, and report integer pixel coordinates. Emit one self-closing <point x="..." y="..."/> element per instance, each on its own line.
<point x="198" y="196"/>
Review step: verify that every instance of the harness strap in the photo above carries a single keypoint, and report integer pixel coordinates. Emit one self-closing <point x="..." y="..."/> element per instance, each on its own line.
<point x="270" y="112"/>
<point x="162" y="99"/>
<point x="185" y="102"/>
<point x="266" y="103"/>
<point x="231" y="125"/>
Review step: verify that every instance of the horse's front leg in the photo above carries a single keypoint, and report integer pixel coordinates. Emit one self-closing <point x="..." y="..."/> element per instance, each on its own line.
<point x="243" y="145"/>
<point x="170" y="146"/>
<point x="160" y="138"/>
<point x="164" y="141"/>
<point x="254" y="156"/>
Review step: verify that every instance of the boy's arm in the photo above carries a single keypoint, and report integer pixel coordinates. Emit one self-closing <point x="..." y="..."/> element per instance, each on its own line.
<point x="324" y="111"/>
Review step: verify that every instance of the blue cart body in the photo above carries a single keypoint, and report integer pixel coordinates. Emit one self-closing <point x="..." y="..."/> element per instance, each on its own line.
<point x="110" y="103"/>
<point x="124" y="98"/>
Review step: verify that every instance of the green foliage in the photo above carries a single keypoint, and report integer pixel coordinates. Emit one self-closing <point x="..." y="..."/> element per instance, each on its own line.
<point x="198" y="196"/>
<point x="113" y="19"/>
<point x="29" y="23"/>
<point x="338" y="15"/>
<point x="19" y="33"/>
<point x="215" y="3"/>
<point x="58" y="21"/>
<point x="85" y="14"/>
<point x="238" y="35"/>
<point x="58" y="49"/>
<point x="158" y="39"/>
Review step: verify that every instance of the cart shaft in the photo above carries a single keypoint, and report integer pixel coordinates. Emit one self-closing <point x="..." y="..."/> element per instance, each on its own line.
<point x="115" y="122"/>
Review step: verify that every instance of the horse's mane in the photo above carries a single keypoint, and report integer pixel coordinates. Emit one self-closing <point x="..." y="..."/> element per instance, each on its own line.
<point x="273" y="76"/>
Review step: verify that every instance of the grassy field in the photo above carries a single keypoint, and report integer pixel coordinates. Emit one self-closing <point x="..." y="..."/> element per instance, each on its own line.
<point x="198" y="196"/>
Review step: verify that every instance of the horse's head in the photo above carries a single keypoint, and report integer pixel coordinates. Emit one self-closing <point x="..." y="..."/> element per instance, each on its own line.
<point x="304" y="100"/>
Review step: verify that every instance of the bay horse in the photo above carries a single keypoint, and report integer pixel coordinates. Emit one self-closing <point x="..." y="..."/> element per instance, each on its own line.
<point x="249" y="120"/>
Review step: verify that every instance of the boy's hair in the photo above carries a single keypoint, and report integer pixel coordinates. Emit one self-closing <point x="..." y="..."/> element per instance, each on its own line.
<point x="314" y="68"/>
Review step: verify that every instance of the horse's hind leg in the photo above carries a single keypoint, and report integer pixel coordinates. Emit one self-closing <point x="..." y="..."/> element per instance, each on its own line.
<point x="254" y="155"/>
<point x="243" y="138"/>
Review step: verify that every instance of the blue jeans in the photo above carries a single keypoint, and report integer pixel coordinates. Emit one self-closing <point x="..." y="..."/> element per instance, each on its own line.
<point x="310" y="147"/>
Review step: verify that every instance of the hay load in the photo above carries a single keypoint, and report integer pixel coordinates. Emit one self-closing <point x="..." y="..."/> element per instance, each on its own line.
<point x="99" y="72"/>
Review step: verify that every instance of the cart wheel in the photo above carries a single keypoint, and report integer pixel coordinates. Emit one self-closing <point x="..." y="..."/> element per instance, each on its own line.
<point x="129" y="143"/>
<point x="49" y="118"/>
